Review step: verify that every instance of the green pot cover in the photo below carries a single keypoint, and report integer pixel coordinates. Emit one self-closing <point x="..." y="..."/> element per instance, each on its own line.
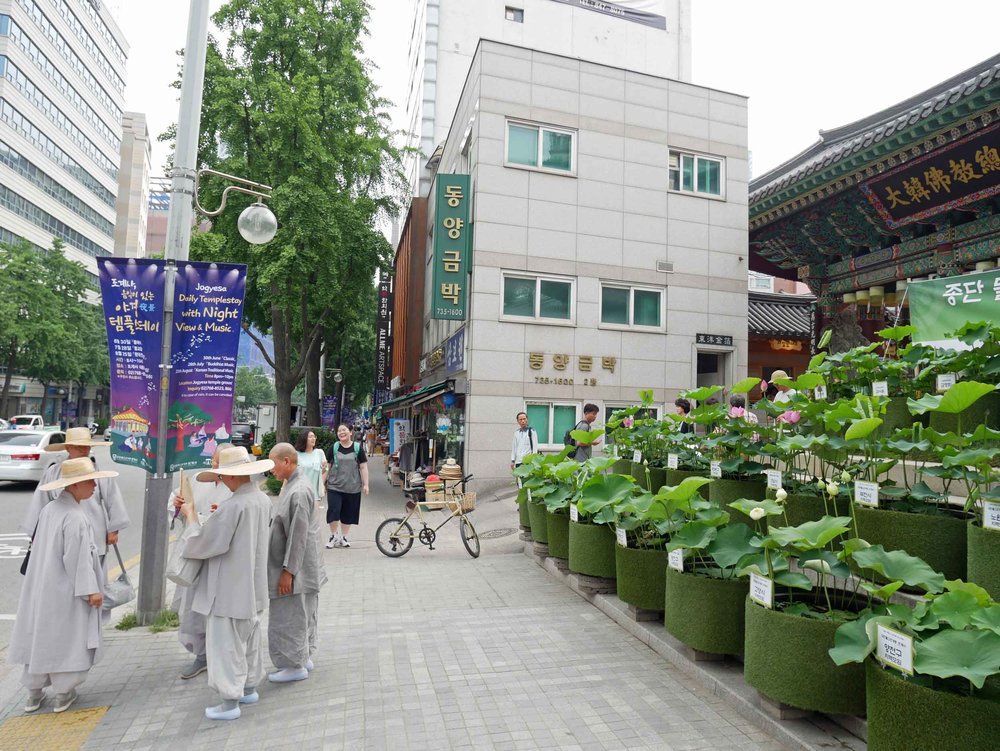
<point x="723" y="492"/>
<point x="674" y="477"/>
<point x="539" y="522"/>
<point x="706" y="614"/>
<point x="938" y="540"/>
<point x="557" y="527"/>
<point x="985" y="411"/>
<point x="592" y="549"/>
<point x="621" y="467"/>
<point x="522" y="513"/>
<point x="640" y="576"/>
<point x="984" y="558"/>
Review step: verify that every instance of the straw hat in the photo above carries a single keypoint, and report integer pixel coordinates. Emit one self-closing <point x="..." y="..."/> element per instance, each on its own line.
<point x="235" y="461"/>
<point x="75" y="437"/>
<point x="779" y="374"/>
<point x="76" y="470"/>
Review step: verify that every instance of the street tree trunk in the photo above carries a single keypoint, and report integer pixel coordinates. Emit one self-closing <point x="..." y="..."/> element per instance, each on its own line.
<point x="45" y="400"/>
<point x="314" y="414"/>
<point x="11" y="361"/>
<point x="282" y="366"/>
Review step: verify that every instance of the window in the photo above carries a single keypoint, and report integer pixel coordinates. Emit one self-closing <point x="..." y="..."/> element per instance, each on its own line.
<point x="541" y="147"/>
<point x="551" y="420"/>
<point x="650" y="413"/>
<point x="631" y="306"/>
<point x="761" y="282"/>
<point x="694" y="173"/>
<point x="514" y="14"/>
<point x="538" y="297"/>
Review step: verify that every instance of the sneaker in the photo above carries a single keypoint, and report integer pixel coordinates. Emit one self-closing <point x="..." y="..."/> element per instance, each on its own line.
<point x="309" y="665"/>
<point x="250" y="696"/>
<point x="199" y="666"/>
<point x="332" y="542"/>
<point x="36" y="697"/>
<point x="344" y="543"/>
<point x="65" y="701"/>
<point x="288" y="675"/>
<point x="224" y="711"/>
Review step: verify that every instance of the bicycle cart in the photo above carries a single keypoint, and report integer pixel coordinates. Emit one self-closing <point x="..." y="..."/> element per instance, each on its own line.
<point x="394" y="537"/>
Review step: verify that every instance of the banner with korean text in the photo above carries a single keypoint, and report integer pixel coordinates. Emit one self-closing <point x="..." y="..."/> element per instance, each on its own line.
<point x="940" y="306"/>
<point x="132" y="292"/>
<point x="452" y="248"/>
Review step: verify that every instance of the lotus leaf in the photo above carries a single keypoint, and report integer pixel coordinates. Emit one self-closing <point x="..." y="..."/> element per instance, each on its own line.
<point x="971" y="457"/>
<point x="973" y="655"/>
<point x="957" y="399"/>
<point x="852" y="642"/>
<point x="793" y="579"/>
<point x="701" y="394"/>
<point x="713" y="516"/>
<point x="956" y="608"/>
<point x="816" y="360"/>
<point x="862" y="428"/>
<point x="808" y="381"/>
<point x="897" y="564"/>
<point x="558" y="498"/>
<point x="602" y="491"/>
<point x="981" y="595"/>
<point x="897" y="333"/>
<point x="771" y="507"/>
<point x="824" y="340"/>
<point x="812" y="535"/>
<point x="744" y="386"/>
<point x="884" y="592"/>
<point x="731" y="545"/>
<point x="586" y="436"/>
<point x="825" y="562"/>
<point x="988" y="618"/>
<point x="694" y="535"/>
<point x="685" y="491"/>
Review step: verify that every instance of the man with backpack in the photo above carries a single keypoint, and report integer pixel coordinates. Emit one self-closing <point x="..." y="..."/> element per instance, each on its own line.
<point x="346" y="481"/>
<point x="584" y="450"/>
<point x="525" y="441"/>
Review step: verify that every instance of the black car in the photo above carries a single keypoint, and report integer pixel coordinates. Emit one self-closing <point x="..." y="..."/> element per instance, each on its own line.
<point x="243" y="435"/>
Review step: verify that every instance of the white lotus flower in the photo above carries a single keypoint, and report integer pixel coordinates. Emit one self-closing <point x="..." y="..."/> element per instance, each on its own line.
<point x="832" y="488"/>
<point x="757" y="514"/>
<point x="845" y="477"/>
<point x="780" y="495"/>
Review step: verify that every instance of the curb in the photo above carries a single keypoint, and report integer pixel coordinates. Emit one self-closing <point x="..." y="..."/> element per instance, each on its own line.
<point x="724" y="678"/>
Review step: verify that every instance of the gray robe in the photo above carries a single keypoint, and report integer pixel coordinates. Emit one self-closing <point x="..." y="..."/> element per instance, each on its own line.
<point x="56" y="630"/>
<point x="233" y="544"/>
<point x="294" y="547"/>
<point x="113" y="518"/>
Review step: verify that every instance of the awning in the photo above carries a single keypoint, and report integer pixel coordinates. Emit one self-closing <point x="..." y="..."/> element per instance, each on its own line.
<point x="780" y="315"/>
<point x="416" y="397"/>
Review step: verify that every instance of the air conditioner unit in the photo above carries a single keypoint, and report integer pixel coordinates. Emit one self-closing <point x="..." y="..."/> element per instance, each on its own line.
<point x="665" y="267"/>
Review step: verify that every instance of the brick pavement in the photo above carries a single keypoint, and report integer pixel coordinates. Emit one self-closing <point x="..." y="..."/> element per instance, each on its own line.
<point x="431" y="650"/>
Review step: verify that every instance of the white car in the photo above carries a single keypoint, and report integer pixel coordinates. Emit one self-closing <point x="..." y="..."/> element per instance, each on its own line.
<point x="23" y="456"/>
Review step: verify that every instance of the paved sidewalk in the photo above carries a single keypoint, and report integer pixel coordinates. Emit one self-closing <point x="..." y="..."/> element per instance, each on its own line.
<point x="434" y="649"/>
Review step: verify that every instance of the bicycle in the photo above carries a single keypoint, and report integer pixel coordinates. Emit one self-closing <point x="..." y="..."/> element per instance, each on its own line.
<point x="394" y="537"/>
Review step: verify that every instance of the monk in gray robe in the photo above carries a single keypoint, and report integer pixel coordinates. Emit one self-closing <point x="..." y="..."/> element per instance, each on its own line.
<point x="295" y="571"/>
<point x="107" y="513"/>
<point x="57" y="630"/>
<point x="231" y="590"/>
<point x="191" y="634"/>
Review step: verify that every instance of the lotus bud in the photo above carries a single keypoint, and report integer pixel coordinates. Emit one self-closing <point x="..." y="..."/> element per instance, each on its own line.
<point x="780" y="495"/>
<point x="757" y="514"/>
<point x="821" y="485"/>
<point x="818" y="565"/>
<point x="832" y="488"/>
<point x="845" y="477"/>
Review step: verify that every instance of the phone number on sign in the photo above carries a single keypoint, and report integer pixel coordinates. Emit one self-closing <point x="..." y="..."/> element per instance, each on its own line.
<point x="547" y="381"/>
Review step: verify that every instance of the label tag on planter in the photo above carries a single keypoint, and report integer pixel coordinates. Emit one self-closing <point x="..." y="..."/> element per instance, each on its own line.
<point x="945" y="381"/>
<point x="820" y="392"/>
<point x="715" y="469"/>
<point x="671" y="461"/>
<point x="637" y="456"/>
<point x="620" y="536"/>
<point x="991" y="515"/>
<point x="761" y="590"/>
<point x="895" y="649"/>
<point x="574" y="514"/>
<point x="773" y="478"/>
<point x="866" y="493"/>
<point x="880" y="388"/>
<point x="675" y="559"/>
<point x="529" y="495"/>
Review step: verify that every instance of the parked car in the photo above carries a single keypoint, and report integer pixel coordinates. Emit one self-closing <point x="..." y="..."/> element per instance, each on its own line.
<point x="23" y="456"/>
<point x="242" y="435"/>
<point x="27" y="422"/>
<point x="4" y="425"/>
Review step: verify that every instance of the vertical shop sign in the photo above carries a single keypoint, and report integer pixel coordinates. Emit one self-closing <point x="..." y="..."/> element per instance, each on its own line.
<point x="383" y="341"/>
<point x="132" y="293"/>
<point x="452" y="248"/>
<point x="454" y="353"/>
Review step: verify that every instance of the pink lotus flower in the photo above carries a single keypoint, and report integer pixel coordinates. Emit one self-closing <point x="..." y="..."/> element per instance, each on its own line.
<point x="628" y="422"/>
<point x="763" y="386"/>
<point x="791" y="417"/>
<point x="736" y="411"/>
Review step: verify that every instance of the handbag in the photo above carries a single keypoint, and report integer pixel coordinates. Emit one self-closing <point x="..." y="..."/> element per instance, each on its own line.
<point x="24" y="563"/>
<point x="120" y="590"/>
<point x="180" y="570"/>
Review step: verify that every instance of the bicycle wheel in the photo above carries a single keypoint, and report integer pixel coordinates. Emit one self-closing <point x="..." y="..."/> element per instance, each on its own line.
<point x="469" y="537"/>
<point x="394" y="537"/>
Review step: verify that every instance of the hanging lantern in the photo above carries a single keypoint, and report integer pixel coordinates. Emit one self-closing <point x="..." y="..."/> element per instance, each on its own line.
<point x="890" y="299"/>
<point x="862" y="296"/>
<point x="985" y="265"/>
<point x="849" y="298"/>
<point x="876" y="293"/>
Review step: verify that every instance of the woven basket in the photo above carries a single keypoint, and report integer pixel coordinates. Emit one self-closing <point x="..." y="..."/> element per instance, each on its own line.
<point x="467" y="501"/>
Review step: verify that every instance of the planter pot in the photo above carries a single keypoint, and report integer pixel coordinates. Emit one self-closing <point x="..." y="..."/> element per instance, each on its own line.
<point x="657" y="479"/>
<point x="706" y="614"/>
<point x="984" y="558"/>
<point x="801" y="508"/>
<point x="592" y="549"/>
<point x="985" y="411"/>
<point x="638" y="471"/>
<point x="522" y="511"/>
<point x="897" y="416"/>
<point x="722" y="492"/>
<point x="786" y="660"/>
<point x="621" y="467"/>
<point x="557" y="527"/>
<point x="674" y="477"/>
<point x="938" y="540"/>
<point x="903" y="716"/>
<point x="539" y="524"/>
<point x="640" y="576"/>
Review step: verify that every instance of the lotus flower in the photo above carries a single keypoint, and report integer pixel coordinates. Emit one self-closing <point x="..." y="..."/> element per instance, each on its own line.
<point x="757" y="513"/>
<point x="845" y="477"/>
<point x="832" y="488"/>
<point x="628" y="422"/>
<point x="791" y="416"/>
<point x="763" y="386"/>
<point x="737" y="412"/>
<point x="780" y="495"/>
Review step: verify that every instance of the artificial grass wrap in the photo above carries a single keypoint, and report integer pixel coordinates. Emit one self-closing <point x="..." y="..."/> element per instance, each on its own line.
<point x="938" y="540"/>
<point x="674" y="477"/>
<point x="592" y="549"/>
<point x="522" y="513"/>
<point x="640" y="576"/>
<point x="657" y="477"/>
<point x="897" y="416"/>
<point x="984" y="558"/>
<point x="621" y="467"/>
<point x="539" y="522"/>
<point x="557" y="527"/>
<point x="706" y="614"/>
<point x="801" y="508"/>
<point x="986" y="411"/>
<point x="903" y="716"/>
<point x="722" y="492"/>
<point x="786" y="659"/>
<point x="638" y="471"/>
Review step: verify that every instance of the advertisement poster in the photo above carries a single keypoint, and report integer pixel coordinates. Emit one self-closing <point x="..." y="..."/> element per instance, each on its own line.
<point x="132" y="292"/>
<point x="399" y="433"/>
<point x="329" y="412"/>
<point x="940" y="306"/>
<point x="208" y="311"/>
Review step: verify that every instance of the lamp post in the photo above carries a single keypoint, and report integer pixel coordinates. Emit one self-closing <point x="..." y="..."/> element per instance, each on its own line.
<point x="338" y="378"/>
<point x="256" y="224"/>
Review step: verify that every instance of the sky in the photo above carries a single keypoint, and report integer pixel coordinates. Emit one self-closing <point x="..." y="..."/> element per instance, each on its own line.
<point x="805" y="66"/>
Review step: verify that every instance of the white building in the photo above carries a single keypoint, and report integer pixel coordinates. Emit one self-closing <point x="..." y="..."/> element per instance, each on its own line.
<point x="133" y="187"/>
<point x="62" y="89"/>
<point x="647" y="36"/>
<point x="608" y="215"/>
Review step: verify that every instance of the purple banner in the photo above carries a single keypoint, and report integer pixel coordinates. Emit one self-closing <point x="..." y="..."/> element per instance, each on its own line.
<point x="132" y="293"/>
<point x="208" y="310"/>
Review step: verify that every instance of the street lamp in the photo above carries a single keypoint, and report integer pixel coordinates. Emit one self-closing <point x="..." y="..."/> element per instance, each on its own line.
<point x="338" y="378"/>
<point x="257" y="224"/>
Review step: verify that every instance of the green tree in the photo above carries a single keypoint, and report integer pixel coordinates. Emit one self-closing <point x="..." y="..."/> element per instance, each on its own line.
<point x="94" y="367"/>
<point x="254" y="386"/>
<point x="24" y="303"/>
<point x="288" y="102"/>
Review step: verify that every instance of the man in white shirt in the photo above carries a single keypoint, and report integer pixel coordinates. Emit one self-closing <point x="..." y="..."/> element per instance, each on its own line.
<point x="785" y="393"/>
<point x="525" y="441"/>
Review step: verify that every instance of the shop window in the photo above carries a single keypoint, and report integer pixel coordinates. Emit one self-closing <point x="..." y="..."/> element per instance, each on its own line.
<point x="648" y="413"/>
<point x="541" y="147"/>
<point x="551" y="420"/>
<point x="631" y="306"/>
<point x="695" y="173"/>
<point x="536" y="297"/>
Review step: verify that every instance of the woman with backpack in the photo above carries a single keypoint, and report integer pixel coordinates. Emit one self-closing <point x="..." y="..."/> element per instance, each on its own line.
<point x="346" y="481"/>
